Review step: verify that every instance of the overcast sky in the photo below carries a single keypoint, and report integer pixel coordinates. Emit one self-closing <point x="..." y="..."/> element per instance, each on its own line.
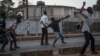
<point x="74" y="3"/>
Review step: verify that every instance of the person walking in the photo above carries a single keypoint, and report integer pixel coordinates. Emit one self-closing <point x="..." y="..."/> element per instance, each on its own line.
<point x="86" y="30"/>
<point x="55" y="26"/>
<point x="12" y="34"/>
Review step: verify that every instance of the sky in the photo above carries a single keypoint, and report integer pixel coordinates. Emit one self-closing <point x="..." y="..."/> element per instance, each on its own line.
<point x="73" y="3"/>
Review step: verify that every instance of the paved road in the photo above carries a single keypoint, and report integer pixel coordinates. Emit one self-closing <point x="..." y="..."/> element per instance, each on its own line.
<point x="35" y="45"/>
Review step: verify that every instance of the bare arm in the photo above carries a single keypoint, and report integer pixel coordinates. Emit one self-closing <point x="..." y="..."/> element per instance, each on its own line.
<point x="64" y="17"/>
<point x="84" y="3"/>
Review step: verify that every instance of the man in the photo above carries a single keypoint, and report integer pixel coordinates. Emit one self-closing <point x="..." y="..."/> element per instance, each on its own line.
<point x="55" y="26"/>
<point x="44" y="24"/>
<point x="86" y="30"/>
<point x="12" y="33"/>
<point x="3" y="31"/>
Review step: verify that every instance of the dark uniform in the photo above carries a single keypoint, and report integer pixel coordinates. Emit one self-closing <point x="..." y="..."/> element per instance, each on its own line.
<point x="3" y="35"/>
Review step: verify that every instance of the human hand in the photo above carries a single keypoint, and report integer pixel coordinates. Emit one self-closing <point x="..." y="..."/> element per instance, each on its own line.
<point x="84" y="3"/>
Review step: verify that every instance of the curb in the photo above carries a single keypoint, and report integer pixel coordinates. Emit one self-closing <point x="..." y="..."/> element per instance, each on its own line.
<point x="28" y="38"/>
<point x="5" y="54"/>
<point x="74" y="50"/>
<point x="37" y="53"/>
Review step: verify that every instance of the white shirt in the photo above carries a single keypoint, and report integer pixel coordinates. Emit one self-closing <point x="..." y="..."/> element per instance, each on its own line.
<point x="87" y="22"/>
<point x="44" y="19"/>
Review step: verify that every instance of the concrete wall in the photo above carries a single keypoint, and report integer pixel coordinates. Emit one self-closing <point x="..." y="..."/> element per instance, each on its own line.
<point x="33" y="27"/>
<point x="66" y="26"/>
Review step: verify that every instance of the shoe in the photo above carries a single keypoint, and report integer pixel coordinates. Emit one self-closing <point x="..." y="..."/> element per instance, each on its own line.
<point x="94" y="52"/>
<point x="17" y="47"/>
<point x="64" y="42"/>
<point x="42" y="43"/>
<point x="47" y="44"/>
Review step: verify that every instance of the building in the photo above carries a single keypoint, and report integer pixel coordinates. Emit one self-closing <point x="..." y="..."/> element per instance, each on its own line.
<point x="52" y="10"/>
<point x="56" y="11"/>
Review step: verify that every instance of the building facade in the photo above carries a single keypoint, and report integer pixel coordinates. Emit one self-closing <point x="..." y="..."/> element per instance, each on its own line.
<point x="56" y="11"/>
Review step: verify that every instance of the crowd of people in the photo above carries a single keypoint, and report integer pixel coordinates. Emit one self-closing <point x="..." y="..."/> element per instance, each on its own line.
<point x="9" y="33"/>
<point x="85" y="25"/>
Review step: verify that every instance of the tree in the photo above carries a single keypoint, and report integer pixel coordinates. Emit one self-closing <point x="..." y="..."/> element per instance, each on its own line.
<point x="22" y="3"/>
<point x="6" y="6"/>
<point x="97" y="6"/>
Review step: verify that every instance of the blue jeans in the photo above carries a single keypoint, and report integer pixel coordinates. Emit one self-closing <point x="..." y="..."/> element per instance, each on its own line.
<point x="58" y="35"/>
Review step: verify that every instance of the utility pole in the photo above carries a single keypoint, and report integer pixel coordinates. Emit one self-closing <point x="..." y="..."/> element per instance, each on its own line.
<point x="27" y="17"/>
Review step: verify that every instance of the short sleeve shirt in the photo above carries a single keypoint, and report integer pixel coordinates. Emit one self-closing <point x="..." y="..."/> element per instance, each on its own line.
<point x="44" y="19"/>
<point x="87" y="23"/>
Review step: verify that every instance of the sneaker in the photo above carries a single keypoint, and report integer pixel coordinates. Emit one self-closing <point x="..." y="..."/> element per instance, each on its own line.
<point x="42" y="44"/>
<point x="17" y="47"/>
<point x="64" y="42"/>
<point x="47" y="44"/>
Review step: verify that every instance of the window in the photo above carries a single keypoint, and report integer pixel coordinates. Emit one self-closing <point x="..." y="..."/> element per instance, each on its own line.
<point x="51" y="10"/>
<point x="66" y="11"/>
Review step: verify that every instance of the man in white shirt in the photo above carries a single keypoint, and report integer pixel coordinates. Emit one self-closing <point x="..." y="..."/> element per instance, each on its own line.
<point x="44" y="24"/>
<point x="86" y="30"/>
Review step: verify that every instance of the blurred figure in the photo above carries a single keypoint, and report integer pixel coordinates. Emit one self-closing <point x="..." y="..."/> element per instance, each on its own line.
<point x="44" y="24"/>
<point x="55" y="26"/>
<point x="12" y="32"/>
<point x="3" y="31"/>
<point x="86" y="30"/>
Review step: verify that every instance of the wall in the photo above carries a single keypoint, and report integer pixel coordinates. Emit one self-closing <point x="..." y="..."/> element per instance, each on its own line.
<point x="34" y="27"/>
<point x="66" y="26"/>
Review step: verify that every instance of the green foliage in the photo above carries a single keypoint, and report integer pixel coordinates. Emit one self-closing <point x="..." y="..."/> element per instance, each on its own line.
<point x="21" y="3"/>
<point x="6" y="6"/>
<point x="97" y="6"/>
